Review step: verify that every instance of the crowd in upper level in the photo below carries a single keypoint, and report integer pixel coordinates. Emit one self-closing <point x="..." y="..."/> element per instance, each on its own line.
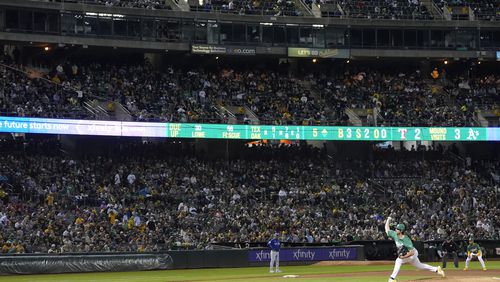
<point x="152" y="197"/>
<point x="462" y="9"/>
<point x="412" y="98"/>
<point x="488" y="10"/>
<point x="247" y="7"/>
<point x="261" y="96"/>
<point x="386" y="9"/>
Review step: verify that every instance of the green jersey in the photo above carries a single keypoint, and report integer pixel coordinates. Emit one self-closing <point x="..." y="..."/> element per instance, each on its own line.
<point x="473" y="248"/>
<point x="406" y="241"/>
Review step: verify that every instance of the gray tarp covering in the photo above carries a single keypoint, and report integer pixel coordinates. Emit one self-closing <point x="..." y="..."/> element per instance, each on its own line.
<point x="83" y="263"/>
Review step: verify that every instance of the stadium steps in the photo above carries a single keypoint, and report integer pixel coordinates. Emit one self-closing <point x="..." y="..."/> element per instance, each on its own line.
<point x="95" y="109"/>
<point x="254" y="119"/>
<point x="303" y="8"/>
<point x="330" y="10"/>
<point x="482" y="119"/>
<point x="240" y="112"/>
<point x="433" y="9"/>
<point x="488" y="118"/>
<point x="231" y="116"/>
<point x="178" y="5"/>
<point x="354" y="118"/>
<point x="316" y="10"/>
<point x="453" y="156"/>
<point x="122" y="113"/>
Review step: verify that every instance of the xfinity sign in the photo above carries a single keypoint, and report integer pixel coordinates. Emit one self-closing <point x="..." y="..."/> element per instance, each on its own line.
<point x="306" y="254"/>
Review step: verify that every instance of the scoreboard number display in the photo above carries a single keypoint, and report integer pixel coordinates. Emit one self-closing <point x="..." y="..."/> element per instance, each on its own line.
<point x="244" y="131"/>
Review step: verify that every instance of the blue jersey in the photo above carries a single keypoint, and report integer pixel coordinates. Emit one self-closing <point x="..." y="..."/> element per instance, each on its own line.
<point x="274" y="244"/>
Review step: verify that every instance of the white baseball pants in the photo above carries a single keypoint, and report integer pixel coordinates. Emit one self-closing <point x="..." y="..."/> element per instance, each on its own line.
<point x="479" y="257"/>
<point x="413" y="260"/>
<point x="275" y="258"/>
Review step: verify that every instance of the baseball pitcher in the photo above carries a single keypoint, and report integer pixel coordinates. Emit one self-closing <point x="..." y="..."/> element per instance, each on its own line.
<point x="406" y="252"/>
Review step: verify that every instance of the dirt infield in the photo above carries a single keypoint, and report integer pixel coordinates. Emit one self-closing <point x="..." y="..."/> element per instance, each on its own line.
<point x="459" y="276"/>
<point x="453" y="275"/>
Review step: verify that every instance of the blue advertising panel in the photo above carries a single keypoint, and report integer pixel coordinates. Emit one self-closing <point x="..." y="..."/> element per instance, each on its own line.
<point x="306" y="254"/>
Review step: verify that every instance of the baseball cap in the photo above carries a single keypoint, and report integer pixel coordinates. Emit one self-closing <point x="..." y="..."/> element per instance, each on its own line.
<point x="400" y="227"/>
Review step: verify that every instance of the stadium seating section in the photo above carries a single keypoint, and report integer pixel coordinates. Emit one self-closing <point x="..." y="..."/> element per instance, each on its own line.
<point x="488" y="10"/>
<point x="266" y="97"/>
<point x="138" y="198"/>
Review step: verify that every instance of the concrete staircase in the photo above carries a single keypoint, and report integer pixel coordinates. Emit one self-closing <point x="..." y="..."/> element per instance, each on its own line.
<point x="109" y="110"/>
<point x="487" y="118"/>
<point x="237" y="114"/>
<point x="316" y="10"/>
<point x="354" y="118"/>
<point x="95" y="109"/>
<point x="178" y="5"/>
<point x="231" y="117"/>
<point x="433" y="9"/>
<point x="302" y="8"/>
<point x="121" y="113"/>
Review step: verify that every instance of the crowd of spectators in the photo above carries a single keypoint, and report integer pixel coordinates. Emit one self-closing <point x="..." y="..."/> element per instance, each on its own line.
<point x="22" y="95"/>
<point x="250" y="7"/>
<point x="386" y="9"/>
<point x="141" y="4"/>
<point x="371" y="9"/>
<point x="275" y="97"/>
<point x="144" y="4"/>
<point x="149" y="197"/>
<point x="411" y="98"/>
<point x="488" y="10"/>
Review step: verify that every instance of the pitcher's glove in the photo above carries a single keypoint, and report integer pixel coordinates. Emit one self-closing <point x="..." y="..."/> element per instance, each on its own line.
<point x="402" y="251"/>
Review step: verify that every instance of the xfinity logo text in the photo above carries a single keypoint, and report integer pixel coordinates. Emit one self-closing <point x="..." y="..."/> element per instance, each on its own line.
<point x="263" y="255"/>
<point x="306" y="254"/>
<point x="303" y="255"/>
<point x="336" y="254"/>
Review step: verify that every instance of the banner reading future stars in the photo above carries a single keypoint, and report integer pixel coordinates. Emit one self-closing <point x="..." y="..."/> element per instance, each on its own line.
<point x="243" y="131"/>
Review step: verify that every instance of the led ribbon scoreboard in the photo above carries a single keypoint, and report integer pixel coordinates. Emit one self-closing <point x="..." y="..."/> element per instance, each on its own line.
<point x="243" y="131"/>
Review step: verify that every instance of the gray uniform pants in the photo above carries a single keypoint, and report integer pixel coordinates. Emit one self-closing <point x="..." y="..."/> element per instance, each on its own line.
<point x="275" y="258"/>
<point x="452" y="254"/>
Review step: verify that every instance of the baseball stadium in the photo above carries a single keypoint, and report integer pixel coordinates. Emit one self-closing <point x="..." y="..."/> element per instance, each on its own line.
<point x="250" y="140"/>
